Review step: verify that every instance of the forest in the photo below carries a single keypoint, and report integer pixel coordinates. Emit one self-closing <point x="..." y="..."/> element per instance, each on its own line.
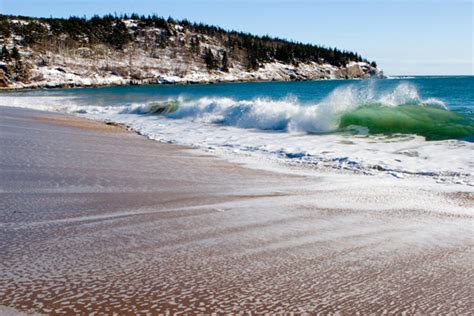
<point x="112" y="31"/>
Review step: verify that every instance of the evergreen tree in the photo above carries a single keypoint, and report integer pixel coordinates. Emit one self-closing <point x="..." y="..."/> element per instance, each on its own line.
<point x="4" y="29"/>
<point x="225" y="62"/>
<point x="209" y="59"/>
<point x="195" y="44"/>
<point x="252" y="61"/>
<point x="15" y="54"/>
<point x="5" y="55"/>
<point x="119" y="37"/>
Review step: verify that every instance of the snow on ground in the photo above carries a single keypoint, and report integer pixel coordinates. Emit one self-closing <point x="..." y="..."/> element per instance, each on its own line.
<point x="143" y="63"/>
<point x="79" y="73"/>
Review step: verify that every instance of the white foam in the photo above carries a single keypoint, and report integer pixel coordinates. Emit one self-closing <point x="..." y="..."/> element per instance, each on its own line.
<point x="277" y="129"/>
<point x="287" y="114"/>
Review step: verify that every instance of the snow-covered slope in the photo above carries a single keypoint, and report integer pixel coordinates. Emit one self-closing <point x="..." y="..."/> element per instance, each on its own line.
<point x="63" y="62"/>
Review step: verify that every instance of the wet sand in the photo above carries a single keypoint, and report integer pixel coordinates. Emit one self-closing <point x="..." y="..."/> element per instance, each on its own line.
<point x="94" y="218"/>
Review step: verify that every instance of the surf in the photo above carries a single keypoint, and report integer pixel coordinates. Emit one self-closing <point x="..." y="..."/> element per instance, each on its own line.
<point x="377" y="107"/>
<point x="431" y="122"/>
<point x="397" y="111"/>
<point x="400" y="127"/>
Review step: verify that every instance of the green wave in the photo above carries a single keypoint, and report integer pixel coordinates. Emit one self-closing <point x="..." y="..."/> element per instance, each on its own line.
<point x="161" y="108"/>
<point x="431" y="122"/>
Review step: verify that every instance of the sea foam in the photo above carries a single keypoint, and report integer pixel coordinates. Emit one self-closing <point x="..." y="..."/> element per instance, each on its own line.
<point x="286" y="114"/>
<point x="285" y="128"/>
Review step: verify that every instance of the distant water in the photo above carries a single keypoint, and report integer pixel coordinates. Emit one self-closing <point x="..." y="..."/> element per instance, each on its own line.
<point x="394" y="125"/>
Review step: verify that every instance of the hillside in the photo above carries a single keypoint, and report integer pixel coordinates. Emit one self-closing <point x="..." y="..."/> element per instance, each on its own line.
<point x="39" y="52"/>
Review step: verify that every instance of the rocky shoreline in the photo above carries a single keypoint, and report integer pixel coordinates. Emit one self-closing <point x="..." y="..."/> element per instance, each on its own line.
<point x="65" y="77"/>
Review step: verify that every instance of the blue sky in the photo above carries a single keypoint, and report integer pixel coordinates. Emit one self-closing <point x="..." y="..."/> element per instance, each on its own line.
<point x="403" y="36"/>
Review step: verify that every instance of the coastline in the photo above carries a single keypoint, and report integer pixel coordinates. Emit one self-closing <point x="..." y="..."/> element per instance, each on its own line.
<point x="155" y="50"/>
<point x="66" y="85"/>
<point x="97" y="218"/>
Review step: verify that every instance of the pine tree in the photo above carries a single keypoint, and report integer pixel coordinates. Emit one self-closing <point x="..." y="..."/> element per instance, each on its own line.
<point x="195" y="44"/>
<point x="210" y="59"/>
<point x="225" y="62"/>
<point x="252" y="61"/>
<point x="5" y="55"/>
<point x="15" y="54"/>
<point x="119" y="36"/>
<point x="4" y="28"/>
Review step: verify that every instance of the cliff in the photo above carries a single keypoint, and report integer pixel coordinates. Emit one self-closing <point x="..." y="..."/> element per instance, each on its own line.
<point x="46" y="53"/>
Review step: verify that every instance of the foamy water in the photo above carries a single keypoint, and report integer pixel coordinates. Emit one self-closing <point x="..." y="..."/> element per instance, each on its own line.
<point x="111" y="223"/>
<point x="296" y="126"/>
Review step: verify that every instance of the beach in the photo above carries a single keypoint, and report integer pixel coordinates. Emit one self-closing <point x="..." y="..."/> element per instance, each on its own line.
<point x="95" y="218"/>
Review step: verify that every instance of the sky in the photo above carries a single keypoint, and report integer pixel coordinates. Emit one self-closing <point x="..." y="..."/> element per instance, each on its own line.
<point x="404" y="37"/>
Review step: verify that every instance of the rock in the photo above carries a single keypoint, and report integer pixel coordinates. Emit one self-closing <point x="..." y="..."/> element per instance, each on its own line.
<point x="37" y="77"/>
<point x="376" y="73"/>
<point x="118" y="71"/>
<point x="355" y="71"/>
<point x="137" y="74"/>
<point x="84" y="52"/>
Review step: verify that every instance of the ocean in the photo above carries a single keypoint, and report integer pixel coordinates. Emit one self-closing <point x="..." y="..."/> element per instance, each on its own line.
<point x="401" y="126"/>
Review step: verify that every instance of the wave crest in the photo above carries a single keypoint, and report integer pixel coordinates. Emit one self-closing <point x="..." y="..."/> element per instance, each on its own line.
<point x="290" y="115"/>
<point x="364" y="105"/>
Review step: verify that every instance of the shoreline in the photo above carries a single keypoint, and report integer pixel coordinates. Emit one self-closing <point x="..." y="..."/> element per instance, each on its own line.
<point x="408" y="154"/>
<point x="192" y="83"/>
<point x="178" y="83"/>
<point x="97" y="218"/>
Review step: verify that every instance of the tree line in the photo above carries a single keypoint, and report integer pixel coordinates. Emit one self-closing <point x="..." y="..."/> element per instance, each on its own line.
<point x="112" y="31"/>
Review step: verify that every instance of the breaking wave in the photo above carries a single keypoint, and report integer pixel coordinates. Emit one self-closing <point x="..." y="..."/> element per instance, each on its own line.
<point x="397" y="110"/>
<point x="400" y="110"/>
<point x="433" y="123"/>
